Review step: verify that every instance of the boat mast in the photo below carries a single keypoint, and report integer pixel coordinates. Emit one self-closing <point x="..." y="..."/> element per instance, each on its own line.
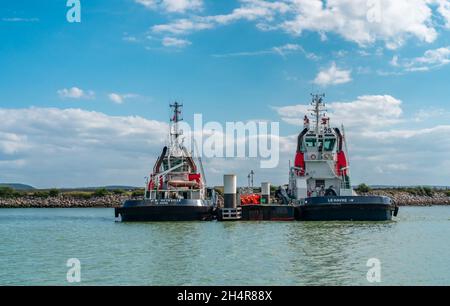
<point x="317" y="103"/>
<point x="175" y="132"/>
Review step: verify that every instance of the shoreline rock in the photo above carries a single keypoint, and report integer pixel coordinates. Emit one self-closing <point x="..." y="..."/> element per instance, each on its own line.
<point x="64" y="201"/>
<point x="402" y="198"/>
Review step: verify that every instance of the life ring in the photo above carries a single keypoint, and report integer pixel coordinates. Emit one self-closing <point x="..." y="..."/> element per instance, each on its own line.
<point x="313" y="157"/>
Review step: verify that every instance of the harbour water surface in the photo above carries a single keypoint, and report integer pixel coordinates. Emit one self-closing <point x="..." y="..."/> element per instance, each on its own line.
<point x="36" y="244"/>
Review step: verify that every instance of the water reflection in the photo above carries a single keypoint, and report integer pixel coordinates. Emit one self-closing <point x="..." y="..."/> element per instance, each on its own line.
<point x="325" y="251"/>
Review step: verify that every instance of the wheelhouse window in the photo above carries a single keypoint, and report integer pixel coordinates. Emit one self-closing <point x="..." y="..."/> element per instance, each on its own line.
<point x="310" y="142"/>
<point x="328" y="144"/>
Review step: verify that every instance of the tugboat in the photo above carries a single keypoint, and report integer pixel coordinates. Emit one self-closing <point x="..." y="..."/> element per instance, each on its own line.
<point x="176" y="190"/>
<point x="319" y="181"/>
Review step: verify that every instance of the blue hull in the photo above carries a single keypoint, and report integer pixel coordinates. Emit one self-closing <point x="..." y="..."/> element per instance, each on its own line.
<point x="356" y="208"/>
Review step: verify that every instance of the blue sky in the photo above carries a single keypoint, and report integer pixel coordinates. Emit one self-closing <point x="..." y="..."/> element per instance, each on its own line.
<point x="231" y="61"/>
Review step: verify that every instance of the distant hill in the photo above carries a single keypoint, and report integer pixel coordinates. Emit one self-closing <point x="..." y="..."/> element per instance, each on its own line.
<point x="18" y="186"/>
<point x="24" y="187"/>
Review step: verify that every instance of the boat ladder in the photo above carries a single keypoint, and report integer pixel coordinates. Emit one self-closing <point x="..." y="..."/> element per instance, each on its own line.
<point x="230" y="214"/>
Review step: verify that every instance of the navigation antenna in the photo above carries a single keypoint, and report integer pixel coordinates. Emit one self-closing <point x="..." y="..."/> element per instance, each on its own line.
<point x="176" y="118"/>
<point x="319" y="107"/>
<point x="175" y="132"/>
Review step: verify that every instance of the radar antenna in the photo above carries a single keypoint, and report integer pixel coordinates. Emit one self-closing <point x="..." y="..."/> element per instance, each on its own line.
<point x="176" y="117"/>
<point x="318" y="109"/>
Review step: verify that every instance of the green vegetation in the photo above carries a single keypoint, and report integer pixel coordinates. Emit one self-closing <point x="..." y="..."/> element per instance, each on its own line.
<point x="41" y="194"/>
<point x="101" y="192"/>
<point x="8" y="192"/>
<point x="417" y="191"/>
<point x="79" y="194"/>
<point x="118" y="191"/>
<point x="53" y="192"/>
<point x="428" y="191"/>
<point x="362" y="188"/>
<point x="447" y="192"/>
<point x="273" y="189"/>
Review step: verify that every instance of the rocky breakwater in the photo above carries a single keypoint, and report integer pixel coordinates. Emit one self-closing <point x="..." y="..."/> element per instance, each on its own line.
<point x="65" y="201"/>
<point x="405" y="198"/>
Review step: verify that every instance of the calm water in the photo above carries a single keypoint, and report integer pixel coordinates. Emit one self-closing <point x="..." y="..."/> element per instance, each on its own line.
<point x="36" y="244"/>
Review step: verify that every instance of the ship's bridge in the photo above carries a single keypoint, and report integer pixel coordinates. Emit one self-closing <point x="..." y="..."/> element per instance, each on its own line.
<point x="320" y="161"/>
<point x="321" y="147"/>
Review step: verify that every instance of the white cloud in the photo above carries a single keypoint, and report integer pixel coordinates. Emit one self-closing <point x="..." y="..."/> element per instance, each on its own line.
<point x="75" y="93"/>
<point x="359" y="21"/>
<point x="366" y="112"/>
<point x="116" y="98"/>
<point x="172" y="6"/>
<point x="293" y="114"/>
<point x="283" y="51"/>
<point x="396" y="135"/>
<point x="293" y="48"/>
<point x="245" y="53"/>
<point x="431" y="59"/>
<point x="18" y="19"/>
<point x="333" y="76"/>
<point x="365" y="22"/>
<point x="431" y="113"/>
<point x="74" y="147"/>
<point x="11" y="143"/>
<point x="182" y="26"/>
<point x="175" y="42"/>
<point x="182" y="5"/>
<point x="394" y="61"/>
<point x="436" y="57"/>
<point x="382" y="150"/>
<point x="120" y="98"/>
<point x="444" y="10"/>
<point x="131" y="39"/>
<point x="250" y="10"/>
